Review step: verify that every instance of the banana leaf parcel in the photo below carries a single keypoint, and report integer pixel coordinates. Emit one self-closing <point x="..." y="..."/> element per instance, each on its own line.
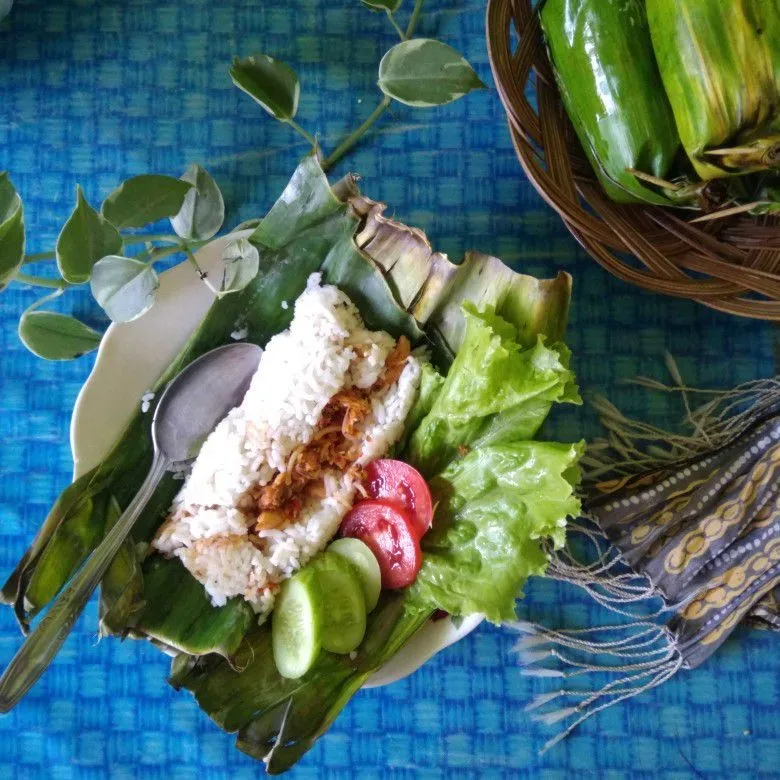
<point x="720" y="65"/>
<point x="496" y="503"/>
<point x="602" y="57"/>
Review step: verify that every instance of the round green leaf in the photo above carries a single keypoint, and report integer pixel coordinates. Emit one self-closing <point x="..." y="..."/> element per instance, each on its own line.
<point x="11" y="231"/>
<point x="144" y="199"/>
<point x="53" y="336"/>
<point x="423" y="72"/>
<point x="85" y="238"/>
<point x="383" y="5"/>
<point x="203" y="211"/>
<point x="5" y="8"/>
<point x="242" y="262"/>
<point x="272" y="83"/>
<point x="124" y="287"/>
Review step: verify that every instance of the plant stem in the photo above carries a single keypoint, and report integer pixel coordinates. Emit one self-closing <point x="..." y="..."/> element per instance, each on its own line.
<point x="415" y="18"/>
<point x="45" y="299"/>
<point x="390" y="16"/>
<point x="42" y="281"/>
<point x="39" y="257"/>
<point x="160" y="252"/>
<point x="142" y="239"/>
<point x="204" y="276"/>
<point x="128" y="241"/>
<point x="298" y="129"/>
<point x="355" y="136"/>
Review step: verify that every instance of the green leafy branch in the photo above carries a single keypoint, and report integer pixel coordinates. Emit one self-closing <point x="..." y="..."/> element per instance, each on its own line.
<point x="419" y="72"/>
<point x="92" y="247"/>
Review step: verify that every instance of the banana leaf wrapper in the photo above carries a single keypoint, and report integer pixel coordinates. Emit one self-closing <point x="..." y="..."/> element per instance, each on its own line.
<point x="400" y="285"/>
<point x="720" y="65"/>
<point x="602" y="57"/>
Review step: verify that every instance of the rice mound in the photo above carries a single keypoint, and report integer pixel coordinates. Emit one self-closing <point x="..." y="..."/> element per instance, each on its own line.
<point x="326" y="349"/>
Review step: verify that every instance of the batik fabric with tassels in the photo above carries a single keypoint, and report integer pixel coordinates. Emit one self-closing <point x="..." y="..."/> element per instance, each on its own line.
<point x="684" y="551"/>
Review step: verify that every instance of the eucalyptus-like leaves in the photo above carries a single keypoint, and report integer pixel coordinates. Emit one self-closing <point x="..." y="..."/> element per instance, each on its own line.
<point x="144" y="199"/>
<point x="55" y="336"/>
<point x="85" y="238"/>
<point x="11" y="231"/>
<point x="419" y="72"/>
<point x="91" y="246"/>
<point x="242" y="262"/>
<point x="271" y="82"/>
<point x="124" y="287"/>
<point x="388" y="6"/>
<point x="423" y="72"/>
<point x="90" y="249"/>
<point x="203" y="210"/>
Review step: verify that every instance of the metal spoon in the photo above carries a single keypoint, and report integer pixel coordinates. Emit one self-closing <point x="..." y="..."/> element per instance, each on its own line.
<point x="189" y="409"/>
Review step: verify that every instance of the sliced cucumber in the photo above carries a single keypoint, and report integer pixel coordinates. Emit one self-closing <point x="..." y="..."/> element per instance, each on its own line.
<point x="367" y="565"/>
<point x="295" y="626"/>
<point x="341" y="604"/>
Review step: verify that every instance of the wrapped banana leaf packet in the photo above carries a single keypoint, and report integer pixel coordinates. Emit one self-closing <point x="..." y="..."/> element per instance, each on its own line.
<point x="720" y="65"/>
<point x="680" y="538"/>
<point x="602" y="57"/>
<point x="675" y="102"/>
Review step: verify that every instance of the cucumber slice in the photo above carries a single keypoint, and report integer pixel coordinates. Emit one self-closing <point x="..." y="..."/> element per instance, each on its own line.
<point x="341" y="604"/>
<point x="295" y="627"/>
<point x="367" y="565"/>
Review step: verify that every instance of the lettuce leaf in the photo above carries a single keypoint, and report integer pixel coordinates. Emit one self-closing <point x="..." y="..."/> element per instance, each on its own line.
<point x="497" y="505"/>
<point x="495" y="391"/>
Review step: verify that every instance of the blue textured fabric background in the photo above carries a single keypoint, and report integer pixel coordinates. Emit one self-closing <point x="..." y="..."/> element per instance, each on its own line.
<point x="92" y="91"/>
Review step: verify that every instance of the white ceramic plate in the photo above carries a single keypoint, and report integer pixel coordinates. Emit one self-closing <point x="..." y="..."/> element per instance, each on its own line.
<point x="131" y="358"/>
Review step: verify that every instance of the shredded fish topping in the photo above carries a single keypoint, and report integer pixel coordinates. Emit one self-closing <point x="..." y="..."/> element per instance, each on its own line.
<point x="335" y="444"/>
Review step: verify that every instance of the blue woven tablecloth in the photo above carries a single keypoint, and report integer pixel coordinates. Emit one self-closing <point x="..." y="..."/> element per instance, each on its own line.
<point x="92" y="91"/>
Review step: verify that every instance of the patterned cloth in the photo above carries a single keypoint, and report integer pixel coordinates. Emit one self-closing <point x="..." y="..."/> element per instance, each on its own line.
<point x="92" y="91"/>
<point x="706" y="534"/>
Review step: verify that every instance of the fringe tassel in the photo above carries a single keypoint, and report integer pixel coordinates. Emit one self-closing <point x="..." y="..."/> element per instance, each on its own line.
<point x="643" y="655"/>
<point x="632" y="446"/>
<point x="605" y="578"/>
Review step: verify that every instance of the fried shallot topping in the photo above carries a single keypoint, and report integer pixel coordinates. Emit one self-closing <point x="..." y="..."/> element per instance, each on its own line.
<point x="335" y="444"/>
<point x="394" y="364"/>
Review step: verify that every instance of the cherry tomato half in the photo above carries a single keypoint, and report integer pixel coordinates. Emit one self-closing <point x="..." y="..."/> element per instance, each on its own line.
<point x="389" y="533"/>
<point x="398" y="482"/>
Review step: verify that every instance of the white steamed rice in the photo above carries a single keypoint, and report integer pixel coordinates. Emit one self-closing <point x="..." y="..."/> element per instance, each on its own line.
<point x="326" y="349"/>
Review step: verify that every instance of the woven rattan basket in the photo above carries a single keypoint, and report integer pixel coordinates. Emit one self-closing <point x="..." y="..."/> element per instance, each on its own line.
<point x="731" y="263"/>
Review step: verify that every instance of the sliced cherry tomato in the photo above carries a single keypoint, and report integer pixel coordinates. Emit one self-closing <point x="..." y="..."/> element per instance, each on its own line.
<point x="389" y="533"/>
<point x="396" y="481"/>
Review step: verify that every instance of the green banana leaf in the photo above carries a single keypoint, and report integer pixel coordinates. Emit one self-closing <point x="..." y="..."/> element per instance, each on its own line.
<point x="602" y="57"/>
<point x="398" y="283"/>
<point x="720" y="64"/>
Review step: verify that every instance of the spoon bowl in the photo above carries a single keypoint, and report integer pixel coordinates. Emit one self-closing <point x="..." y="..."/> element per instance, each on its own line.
<point x="199" y="397"/>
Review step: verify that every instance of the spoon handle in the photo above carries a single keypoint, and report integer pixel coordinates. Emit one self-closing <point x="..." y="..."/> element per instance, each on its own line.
<point x="40" y="647"/>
